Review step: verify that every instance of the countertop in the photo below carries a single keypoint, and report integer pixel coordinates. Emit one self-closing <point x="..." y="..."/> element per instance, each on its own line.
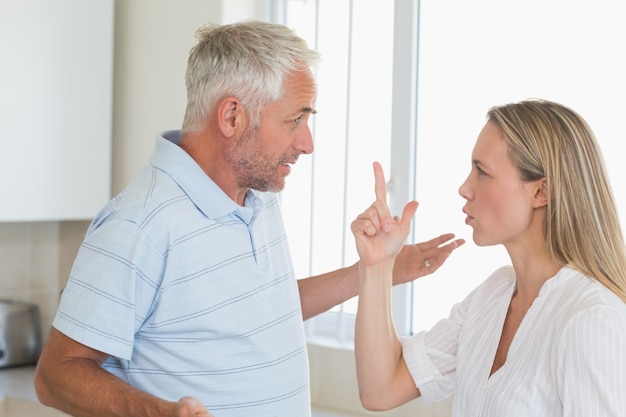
<point x="18" y="382"/>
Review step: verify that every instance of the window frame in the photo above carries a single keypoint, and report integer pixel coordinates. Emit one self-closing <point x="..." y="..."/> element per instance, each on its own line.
<point x="336" y="328"/>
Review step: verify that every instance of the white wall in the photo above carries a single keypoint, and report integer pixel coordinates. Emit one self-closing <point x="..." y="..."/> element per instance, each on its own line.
<point x="152" y="41"/>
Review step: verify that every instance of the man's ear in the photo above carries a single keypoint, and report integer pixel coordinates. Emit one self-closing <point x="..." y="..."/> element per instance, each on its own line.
<point x="540" y="197"/>
<point x="231" y="116"/>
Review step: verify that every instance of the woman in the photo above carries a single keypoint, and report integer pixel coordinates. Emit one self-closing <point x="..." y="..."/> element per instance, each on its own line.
<point x="545" y="336"/>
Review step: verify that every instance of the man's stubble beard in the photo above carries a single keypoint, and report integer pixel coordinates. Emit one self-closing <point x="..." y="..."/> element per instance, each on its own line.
<point x="254" y="170"/>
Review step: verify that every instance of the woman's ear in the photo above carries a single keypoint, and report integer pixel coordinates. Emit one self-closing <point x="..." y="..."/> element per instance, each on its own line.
<point x="231" y="116"/>
<point x="540" y="197"/>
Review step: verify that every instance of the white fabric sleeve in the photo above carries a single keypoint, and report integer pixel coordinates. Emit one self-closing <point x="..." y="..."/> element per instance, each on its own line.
<point x="431" y="357"/>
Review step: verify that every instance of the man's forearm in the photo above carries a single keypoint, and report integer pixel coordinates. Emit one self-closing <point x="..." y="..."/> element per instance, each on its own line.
<point x="322" y="292"/>
<point x="83" y="389"/>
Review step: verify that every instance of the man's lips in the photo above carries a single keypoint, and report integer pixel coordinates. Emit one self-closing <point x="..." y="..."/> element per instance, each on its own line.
<point x="286" y="166"/>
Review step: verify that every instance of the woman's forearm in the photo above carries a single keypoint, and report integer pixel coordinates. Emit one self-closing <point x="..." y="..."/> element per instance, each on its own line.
<point x="377" y="346"/>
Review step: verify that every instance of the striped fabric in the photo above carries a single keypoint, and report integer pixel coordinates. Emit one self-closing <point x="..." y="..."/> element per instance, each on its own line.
<point x="568" y="357"/>
<point x="192" y="294"/>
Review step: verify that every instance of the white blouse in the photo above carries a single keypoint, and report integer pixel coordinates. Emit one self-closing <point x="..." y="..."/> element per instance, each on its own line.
<point x="568" y="356"/>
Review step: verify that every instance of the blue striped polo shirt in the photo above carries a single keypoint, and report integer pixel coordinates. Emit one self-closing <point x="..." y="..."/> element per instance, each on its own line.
<point x="192" y="294"/>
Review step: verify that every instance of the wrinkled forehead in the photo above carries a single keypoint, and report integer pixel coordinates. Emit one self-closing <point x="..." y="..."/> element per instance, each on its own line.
<point x="300" y="86"/>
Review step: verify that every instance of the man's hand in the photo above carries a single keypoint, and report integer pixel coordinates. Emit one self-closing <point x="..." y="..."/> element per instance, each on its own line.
<point x="424" y="258"/>
<point x="190" y="407"/>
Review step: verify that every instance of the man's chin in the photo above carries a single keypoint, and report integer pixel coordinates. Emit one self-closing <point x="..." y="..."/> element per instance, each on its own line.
<point x="274" y="187"/>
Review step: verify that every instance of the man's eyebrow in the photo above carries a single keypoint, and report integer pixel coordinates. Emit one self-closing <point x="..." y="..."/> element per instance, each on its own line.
<point x="308" y="110"/>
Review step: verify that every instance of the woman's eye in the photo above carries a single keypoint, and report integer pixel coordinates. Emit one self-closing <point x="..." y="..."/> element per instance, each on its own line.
<point x="480" y="171"/>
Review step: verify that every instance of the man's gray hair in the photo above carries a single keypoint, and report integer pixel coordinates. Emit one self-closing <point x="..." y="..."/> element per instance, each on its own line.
<point x="247" y="60"/>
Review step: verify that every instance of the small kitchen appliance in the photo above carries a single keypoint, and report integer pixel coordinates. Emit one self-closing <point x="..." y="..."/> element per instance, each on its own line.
<point x="20" y="333"/>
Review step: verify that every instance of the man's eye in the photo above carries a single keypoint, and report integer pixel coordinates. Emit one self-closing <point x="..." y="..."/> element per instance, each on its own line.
<point x="298" y="119"/>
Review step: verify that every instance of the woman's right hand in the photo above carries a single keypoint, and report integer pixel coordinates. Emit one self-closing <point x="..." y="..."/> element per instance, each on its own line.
<point x="379" y="236"/>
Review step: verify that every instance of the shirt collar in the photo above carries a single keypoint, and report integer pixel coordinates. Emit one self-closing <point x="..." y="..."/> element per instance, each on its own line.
<point x="201" y="189"/>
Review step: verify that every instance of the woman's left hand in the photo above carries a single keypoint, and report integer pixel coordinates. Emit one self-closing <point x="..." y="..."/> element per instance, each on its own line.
<point x="420" y="259"/>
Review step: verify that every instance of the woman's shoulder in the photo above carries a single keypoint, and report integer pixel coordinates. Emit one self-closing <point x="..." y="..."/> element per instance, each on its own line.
<point x="501" y="279"/>
<point x="582" y="290"/>
<point x="584" y="299"/>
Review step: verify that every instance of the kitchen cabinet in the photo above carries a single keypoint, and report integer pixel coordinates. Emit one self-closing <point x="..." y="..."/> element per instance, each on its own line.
<point x="56" y="83"/>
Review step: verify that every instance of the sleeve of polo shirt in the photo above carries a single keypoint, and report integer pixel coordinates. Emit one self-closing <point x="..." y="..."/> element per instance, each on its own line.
<point x="111" y="288"/>
<point x="592" y="364"/>
<point x="431" y="356"/>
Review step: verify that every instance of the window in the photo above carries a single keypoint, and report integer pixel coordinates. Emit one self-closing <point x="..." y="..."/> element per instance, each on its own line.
<point x="473" y="55"/>
<point x="326" y="191"/>
<point x="469" y="56"/>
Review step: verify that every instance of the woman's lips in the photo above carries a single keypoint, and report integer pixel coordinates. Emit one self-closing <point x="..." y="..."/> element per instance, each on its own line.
<point x="468" y="218"/>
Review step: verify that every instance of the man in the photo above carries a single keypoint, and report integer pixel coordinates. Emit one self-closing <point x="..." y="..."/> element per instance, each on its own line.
<point x="183" y="300"/>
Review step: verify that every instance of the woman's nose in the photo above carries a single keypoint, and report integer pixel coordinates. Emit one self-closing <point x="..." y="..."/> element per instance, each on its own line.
<point x="464" y="189"/>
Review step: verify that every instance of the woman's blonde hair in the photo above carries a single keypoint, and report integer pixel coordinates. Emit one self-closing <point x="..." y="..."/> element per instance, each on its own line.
<point x="582" y="229"/>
